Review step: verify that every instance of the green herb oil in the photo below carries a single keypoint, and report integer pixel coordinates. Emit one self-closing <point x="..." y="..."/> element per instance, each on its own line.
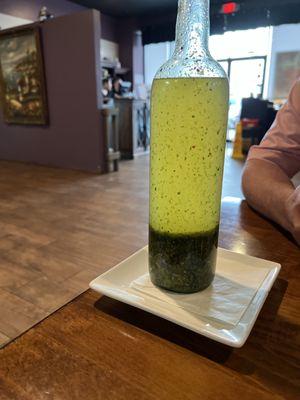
<point x="188" y="133"/>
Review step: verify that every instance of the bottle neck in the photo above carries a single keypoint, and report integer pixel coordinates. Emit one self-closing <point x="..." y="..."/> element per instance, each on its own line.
<point x="192" y="29"/>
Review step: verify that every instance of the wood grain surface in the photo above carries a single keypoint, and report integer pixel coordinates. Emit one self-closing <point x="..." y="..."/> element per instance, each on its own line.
<point x="98" y="348"/>
<point x="59" y="229"/>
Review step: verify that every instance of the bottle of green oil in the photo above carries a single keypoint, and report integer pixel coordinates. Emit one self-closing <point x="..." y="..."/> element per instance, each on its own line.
<point x="189" y="109"/>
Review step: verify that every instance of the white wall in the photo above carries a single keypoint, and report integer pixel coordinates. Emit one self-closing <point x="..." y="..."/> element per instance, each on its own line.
<point x="237" y="44"/>
<point x="155" y="55"/>
<point x="7" y="21"/>
<point x="285" y="38"/>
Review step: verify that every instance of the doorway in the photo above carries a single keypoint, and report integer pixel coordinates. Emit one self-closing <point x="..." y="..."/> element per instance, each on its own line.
<point x="247" y="78"/>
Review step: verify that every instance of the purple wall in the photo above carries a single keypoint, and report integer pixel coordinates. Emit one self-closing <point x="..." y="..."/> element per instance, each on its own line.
<point x="114" y="29"/>
<point x="29" y="9"/>
<point x="125" y="39"/>
<point x="130" y="48"/>
<point x="74" y="137"/>
<point x="109" y="28"/>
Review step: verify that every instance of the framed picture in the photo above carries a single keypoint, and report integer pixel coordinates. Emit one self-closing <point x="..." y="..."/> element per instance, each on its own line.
<point x="22" y="82"/>
<point x="286" y="72"/>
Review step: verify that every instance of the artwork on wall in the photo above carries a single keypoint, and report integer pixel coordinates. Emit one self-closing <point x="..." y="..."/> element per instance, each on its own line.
<point x="287" y="70"/>
<point x="22" y="83"/>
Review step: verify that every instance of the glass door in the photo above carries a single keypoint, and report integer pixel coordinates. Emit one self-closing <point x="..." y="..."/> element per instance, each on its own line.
<point x="247" y="78"/>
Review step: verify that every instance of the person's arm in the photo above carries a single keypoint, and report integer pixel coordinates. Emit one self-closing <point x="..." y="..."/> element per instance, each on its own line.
<point x="267" y="175"/>
<point x="269" y="190"/>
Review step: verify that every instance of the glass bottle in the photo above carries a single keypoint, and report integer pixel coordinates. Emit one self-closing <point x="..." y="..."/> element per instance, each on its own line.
<point x="189" y="111"/>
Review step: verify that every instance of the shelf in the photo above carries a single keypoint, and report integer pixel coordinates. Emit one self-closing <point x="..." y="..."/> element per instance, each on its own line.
<point x="111" y="65"/>
<point x="108" y="64"/>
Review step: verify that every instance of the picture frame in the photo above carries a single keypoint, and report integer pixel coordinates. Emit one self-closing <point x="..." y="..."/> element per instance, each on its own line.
<point x="287" y="70"/>
<point x="22" y="78"/>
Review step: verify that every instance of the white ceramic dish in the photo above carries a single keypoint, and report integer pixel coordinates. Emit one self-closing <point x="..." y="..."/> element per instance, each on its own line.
<point x="116" y="283"/>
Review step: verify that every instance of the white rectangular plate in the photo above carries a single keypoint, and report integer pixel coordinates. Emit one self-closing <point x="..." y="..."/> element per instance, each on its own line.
<point x="116" y="282"/>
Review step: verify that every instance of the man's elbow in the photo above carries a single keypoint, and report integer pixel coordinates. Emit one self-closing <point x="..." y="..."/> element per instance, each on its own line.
<point x="258" y="178"/>
<point x="247" y="178"/>
<point x="253" y="181"/>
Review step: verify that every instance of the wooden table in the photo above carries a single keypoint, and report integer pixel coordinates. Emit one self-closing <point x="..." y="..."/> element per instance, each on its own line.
<point x="98" y="348"/>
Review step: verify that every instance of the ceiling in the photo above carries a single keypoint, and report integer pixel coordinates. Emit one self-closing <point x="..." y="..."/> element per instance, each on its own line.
<point x="130" y="8"/>
<point x="126" y="8"/>
<point x="156" y="18"/>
